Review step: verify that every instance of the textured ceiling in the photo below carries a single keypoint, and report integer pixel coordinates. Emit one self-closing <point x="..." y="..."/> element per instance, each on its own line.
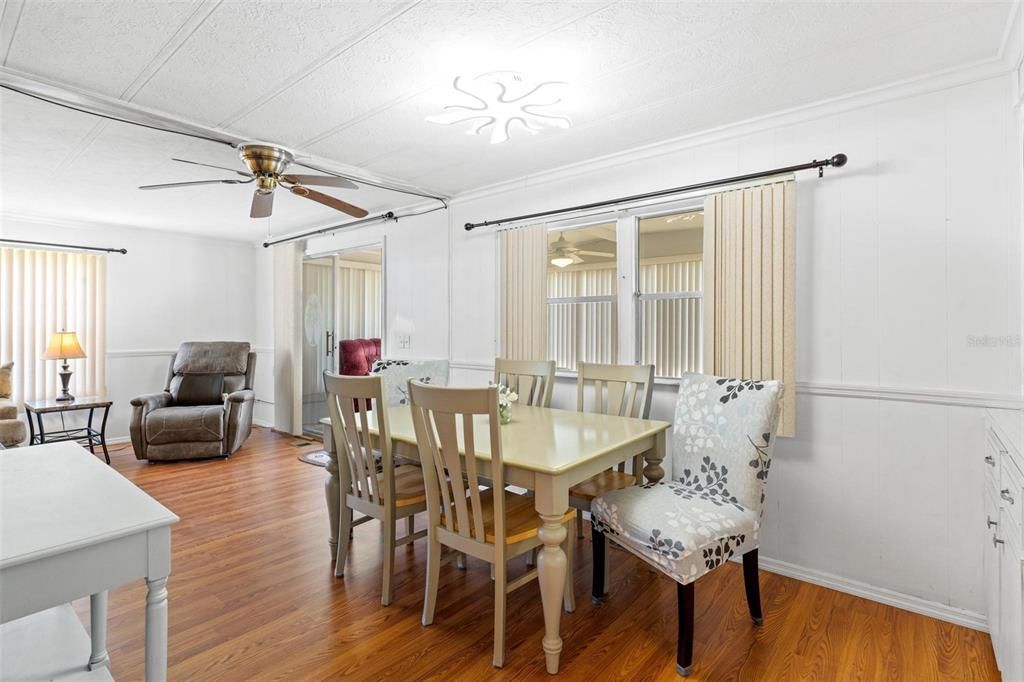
<point x="355" y="81"/>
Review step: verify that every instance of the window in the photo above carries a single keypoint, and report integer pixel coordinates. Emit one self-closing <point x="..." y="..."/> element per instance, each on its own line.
<point x="660" y="274"/>
<point x="670" y="293"/>
<point x="42" y="292"/>
<point x="582" y="292"/>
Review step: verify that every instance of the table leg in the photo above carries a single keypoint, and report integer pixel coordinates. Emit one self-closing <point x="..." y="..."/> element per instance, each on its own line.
<point x="42" y="432"/>
<point x="89" y="432"/>
<point x="31" y="428"/>
<point x="653" y="471"/>
<point x="98" y="630"/>
<point x="551" y="501"/>
<point x="332" y="491"/>
<point x="156" y="630"/>
<point x="103" y="434"/>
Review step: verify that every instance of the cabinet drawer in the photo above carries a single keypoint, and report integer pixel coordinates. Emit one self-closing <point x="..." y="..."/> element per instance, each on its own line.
<point x="1011" y="499"/>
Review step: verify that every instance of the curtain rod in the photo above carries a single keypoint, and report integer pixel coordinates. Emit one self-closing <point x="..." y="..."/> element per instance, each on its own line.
<point x="390" y="215"/>
<point x="64" y="246"/>
<point x="838" y="161"/>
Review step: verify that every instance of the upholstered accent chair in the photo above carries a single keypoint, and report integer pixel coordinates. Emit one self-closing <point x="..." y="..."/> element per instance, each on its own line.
<point x="205" y="409"/>
<point x="723" y="437"/>
<point x="12" y="429"/>
<point x="356" y="356"/>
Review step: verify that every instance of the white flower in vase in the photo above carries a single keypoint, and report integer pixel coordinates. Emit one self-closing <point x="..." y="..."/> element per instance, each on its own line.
<point x="506" y="396"/>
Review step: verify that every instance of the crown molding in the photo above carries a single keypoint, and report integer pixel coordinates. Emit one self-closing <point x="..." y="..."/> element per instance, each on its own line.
<point x="132" y="230"/>
<point x="940" y="80"/>
<point x="95" y="103"/>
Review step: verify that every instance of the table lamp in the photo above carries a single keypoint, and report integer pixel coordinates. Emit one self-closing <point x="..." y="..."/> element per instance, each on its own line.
<point x="64" y="346"/>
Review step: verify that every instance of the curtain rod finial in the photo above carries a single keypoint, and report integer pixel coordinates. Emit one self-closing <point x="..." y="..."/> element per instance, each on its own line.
<point x="839" y="160"/>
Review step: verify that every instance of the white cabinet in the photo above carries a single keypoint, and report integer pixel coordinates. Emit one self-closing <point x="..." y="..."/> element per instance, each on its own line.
<point x="1004" y="546"/>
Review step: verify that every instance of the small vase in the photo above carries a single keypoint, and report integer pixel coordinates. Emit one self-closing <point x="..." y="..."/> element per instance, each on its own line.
<point x="505" y="413"/>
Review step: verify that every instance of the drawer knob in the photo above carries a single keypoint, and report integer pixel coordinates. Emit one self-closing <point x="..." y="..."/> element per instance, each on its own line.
<point x="996" y="541"/>
<point x="1005" y="494"/>
<point x="990" y="522"/>
<point x="990" y="460"/>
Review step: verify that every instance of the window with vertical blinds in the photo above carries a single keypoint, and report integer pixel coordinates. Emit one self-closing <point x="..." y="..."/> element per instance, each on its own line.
<point x="42" y="292"/>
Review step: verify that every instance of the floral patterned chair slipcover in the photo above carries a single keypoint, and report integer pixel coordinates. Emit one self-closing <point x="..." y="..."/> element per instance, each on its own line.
<point x="723" y="436"/>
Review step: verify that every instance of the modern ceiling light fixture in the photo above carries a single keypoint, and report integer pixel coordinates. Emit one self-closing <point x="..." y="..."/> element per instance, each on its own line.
<point x="502" y="98"/>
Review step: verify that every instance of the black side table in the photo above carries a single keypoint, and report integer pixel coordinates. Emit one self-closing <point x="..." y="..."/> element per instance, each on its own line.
<point x="83" y="435"/>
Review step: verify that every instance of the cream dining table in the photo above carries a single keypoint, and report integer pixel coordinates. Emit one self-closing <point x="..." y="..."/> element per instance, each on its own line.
<point x="547" y="451"/>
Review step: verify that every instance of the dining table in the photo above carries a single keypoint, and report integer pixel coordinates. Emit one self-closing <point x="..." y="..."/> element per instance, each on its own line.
<point x="544" y="450"/>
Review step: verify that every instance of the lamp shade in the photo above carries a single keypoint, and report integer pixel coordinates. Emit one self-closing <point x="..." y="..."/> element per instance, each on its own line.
<point x="63" y="345"/>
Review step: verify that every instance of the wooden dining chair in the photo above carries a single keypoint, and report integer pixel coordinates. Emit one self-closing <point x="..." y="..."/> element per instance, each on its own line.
<point x="392" y="493"/>
<point x="533" y="380"/>
<point x="491" y="524"/>
<point x="711" y="511"/>
<point x="622" y="390"/>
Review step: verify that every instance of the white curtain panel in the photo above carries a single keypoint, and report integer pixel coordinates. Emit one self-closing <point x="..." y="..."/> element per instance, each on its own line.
<point x="42" y="292"/>
<point x="750" y="287"/>
<point x="523" y="300"/>
<point x="359" y="301"/>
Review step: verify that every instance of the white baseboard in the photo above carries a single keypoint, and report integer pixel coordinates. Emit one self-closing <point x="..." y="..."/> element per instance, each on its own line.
<point x="944" y="612"/>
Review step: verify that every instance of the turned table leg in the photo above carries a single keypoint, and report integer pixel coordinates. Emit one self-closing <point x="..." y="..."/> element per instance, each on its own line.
<point x="332" y="491"/>
<point x="552" y="502"/>
<point x="653" y="471"/>
<point x="156" y="630"/>
<point x="98" y="630"/>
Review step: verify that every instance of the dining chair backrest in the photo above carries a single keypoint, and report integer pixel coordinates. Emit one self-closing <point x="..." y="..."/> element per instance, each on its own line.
<point x="533" y="380"/>
<point x="620" y="390"/>
<point x="348" y="400"/>
<point x="444" y="418"/>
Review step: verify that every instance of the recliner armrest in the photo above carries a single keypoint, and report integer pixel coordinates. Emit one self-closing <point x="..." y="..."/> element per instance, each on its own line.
<point x="244" y="395"/>
<point x="152" y="401"/>
<point x="141" y="406"/>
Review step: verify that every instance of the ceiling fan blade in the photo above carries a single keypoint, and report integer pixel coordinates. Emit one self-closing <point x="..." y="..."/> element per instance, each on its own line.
<point x="603" y="254"/>
<point x="336" y="204"/>
<point x="195" y="182"/>
<point x="210" y="165"/>
<point x="321" y="180"/>
<point x="262" y="204"/>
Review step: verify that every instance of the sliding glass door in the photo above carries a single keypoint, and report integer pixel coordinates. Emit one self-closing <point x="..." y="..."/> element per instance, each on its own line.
<point x="318" y="348"/>
<point x="342" y="298"/>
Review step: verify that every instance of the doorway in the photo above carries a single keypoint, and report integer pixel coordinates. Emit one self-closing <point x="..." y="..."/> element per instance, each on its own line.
<point x="342" y="298"/>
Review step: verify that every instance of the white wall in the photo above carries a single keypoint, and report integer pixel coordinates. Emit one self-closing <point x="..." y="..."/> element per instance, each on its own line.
<point x="904" y="256"/>
<point x="169" y="288"/>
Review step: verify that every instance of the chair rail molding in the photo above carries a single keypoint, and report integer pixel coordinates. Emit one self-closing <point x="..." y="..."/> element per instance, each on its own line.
<point x="906" y="394"/>
<point x="163" y="352"/>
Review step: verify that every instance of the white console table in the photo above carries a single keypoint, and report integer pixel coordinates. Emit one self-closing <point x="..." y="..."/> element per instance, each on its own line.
<point x="71" y="527"/>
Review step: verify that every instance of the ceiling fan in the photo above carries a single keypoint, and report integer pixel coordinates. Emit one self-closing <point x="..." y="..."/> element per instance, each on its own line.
<point x="563" y="254"/>
<point x="267" y="166"/>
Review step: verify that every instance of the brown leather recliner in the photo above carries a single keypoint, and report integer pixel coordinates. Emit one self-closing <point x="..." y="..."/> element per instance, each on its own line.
<point x="163" y="429"/>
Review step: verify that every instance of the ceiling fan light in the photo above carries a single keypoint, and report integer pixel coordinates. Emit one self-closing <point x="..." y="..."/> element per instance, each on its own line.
<point x="561" y="261"/>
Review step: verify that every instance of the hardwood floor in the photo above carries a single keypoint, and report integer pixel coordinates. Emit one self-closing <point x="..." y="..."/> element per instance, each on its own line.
<point x="253" y="597"/>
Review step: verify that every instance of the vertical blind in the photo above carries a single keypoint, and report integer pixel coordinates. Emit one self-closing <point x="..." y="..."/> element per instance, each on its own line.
<point x="671" y="307"/>
<point x="42" y="292"/>
<point x="750" y="264"/>
<point x="523" y="320"/>
<point x="671" y="335"/>
<point x="359" y="301"/>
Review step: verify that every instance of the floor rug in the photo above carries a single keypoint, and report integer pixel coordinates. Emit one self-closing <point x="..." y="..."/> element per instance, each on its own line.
<point x="315" y="457"/>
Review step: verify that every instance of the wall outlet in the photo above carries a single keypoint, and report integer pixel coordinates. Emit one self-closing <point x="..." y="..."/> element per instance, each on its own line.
<point x="404" y="341"/>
